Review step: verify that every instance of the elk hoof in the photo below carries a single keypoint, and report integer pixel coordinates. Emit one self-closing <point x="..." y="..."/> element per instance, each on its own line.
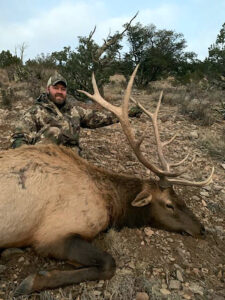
<point x="25" y="287"/>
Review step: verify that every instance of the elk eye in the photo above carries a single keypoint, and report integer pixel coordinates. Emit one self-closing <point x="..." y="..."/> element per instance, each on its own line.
<point x="170" y="206"/>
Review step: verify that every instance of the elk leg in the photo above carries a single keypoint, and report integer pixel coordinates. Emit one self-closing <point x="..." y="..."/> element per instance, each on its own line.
<point x="98" y="265"/>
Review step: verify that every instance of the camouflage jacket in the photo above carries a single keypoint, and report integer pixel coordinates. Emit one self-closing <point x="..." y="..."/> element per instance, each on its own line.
<point x="44" y="122"/>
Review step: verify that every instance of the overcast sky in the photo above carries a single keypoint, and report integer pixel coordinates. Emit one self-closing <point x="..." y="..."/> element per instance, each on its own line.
<point x="49" y="25"/>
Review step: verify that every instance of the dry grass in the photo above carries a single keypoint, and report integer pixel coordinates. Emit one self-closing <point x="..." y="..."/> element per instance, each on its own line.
<point x="198" y="110"/>
<point x="214" y="144"/>
<point x="198" y="101"/>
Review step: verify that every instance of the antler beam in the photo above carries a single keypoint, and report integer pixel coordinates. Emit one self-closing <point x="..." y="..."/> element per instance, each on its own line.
<point x="165" y="174"/>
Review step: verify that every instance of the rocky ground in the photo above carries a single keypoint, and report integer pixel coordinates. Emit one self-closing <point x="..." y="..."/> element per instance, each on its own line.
<point x="151" y="263"/>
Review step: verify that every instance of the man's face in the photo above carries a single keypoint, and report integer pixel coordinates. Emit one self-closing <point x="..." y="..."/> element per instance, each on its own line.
<point x="57" y="93"/>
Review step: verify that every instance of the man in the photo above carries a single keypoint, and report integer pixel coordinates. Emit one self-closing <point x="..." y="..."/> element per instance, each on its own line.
<point x="55" y="119"/>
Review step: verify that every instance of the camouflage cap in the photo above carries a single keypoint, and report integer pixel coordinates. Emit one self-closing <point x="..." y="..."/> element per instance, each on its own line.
<point x="56" y="78"/>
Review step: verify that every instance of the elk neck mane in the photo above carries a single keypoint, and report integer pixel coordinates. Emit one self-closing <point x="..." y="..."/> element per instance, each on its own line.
<point x="118" y="190"/>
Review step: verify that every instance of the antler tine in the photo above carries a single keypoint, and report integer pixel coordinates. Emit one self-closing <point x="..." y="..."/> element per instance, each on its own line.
<point x="98" y="98"/>
<point x="180" y="162"/>
<point x="158" y="104"/>
<point x="154" y="117"/>
<point x="151" y="116"/>
<point x="182" y="181"/>
<point x="169" y="141"/>
<point x="128" y="93"/>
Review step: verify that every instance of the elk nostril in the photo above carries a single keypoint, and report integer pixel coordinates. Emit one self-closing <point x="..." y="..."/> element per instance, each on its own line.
<point x="202" y="230"/>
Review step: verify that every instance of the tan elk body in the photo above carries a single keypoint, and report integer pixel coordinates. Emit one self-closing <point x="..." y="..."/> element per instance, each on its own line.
<point x="55" y="201"/>
<point x="43" y="188"/>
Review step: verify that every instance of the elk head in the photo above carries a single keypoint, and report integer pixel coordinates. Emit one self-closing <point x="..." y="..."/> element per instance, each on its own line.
<point x="166" y="210"/>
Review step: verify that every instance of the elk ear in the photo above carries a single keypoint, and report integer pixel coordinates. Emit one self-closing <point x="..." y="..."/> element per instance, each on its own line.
<point x="142" y="199"/>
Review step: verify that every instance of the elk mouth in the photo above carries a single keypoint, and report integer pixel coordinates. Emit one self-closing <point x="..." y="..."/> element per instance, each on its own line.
<point x="201" y="233"/>
<point x="185" y="233"/>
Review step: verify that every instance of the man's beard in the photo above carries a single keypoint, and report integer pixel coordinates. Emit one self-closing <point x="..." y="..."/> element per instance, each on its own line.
<point x="55" y="99"/>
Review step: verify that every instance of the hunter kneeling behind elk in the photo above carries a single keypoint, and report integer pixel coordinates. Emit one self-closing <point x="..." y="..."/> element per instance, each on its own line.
<point x="57" y="202"/>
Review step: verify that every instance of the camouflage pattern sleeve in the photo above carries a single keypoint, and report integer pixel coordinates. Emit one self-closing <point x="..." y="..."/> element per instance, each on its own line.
<point x="94" y="118"/>
<point x="25" y="131"/>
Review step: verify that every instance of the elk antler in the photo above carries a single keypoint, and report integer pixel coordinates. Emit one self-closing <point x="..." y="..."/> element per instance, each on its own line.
<point x="167" y="177"/>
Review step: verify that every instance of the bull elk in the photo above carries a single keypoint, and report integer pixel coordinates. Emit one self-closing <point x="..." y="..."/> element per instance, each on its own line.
<point x="57" y="202"/>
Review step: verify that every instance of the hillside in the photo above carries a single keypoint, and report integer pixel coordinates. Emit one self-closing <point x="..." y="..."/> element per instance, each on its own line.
<point x="151" y="263"/>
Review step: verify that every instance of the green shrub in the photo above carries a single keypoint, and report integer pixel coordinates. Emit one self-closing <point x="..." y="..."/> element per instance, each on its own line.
<point x="7" y="96"/>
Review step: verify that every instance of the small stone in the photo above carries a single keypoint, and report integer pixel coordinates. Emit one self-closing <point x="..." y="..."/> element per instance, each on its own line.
<point x="131" y="265"/>
<point x="156" y="271"/>
<point x="220" y="274"/>
<point x="165" y="292"/>
<point x="164" y="286"/>
<point x="148" y="231"/>
<point x="170" y="240"/>
<point x="223" y="166"/>
<point x="196" y="289"/>
<point x="142" y="296"/>
<point x="219" y="228"/>
<point x="218" y="187"/>
<point x="97" y="293"/>
<point x="207" y="188"/>
<point x="204" y="194"/>
<point x="27" y="263"/>
<point x="205" y="271"/>
<point x="187" y="295"/>
<point x="179" y="276"/>
<point x="193" y="134"/>
<point x="100" y="284"/>
<point x="196" y="271"/>
<point x="107" y="295"/>
<point x="174" y="285"/>
<point x="204" y="203"/>
<point x="21" y="259"/>
<point x="177" y="266"/>
<point x="142" y="243"/>
<point x="171" y="258"/>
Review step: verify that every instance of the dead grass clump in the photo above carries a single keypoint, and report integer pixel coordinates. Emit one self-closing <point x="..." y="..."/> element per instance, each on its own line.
<point x="122" y="287"/>
<point x="164" y="84"/>
<point x="215" y="145"/>
<point x="198" y="110"/>
<point x="113" y="90"/>
<point x="111" y="243"/>
<point x="117" y="78"/>
<point x="174" y="99"/>
<point x="112" y="97"/>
